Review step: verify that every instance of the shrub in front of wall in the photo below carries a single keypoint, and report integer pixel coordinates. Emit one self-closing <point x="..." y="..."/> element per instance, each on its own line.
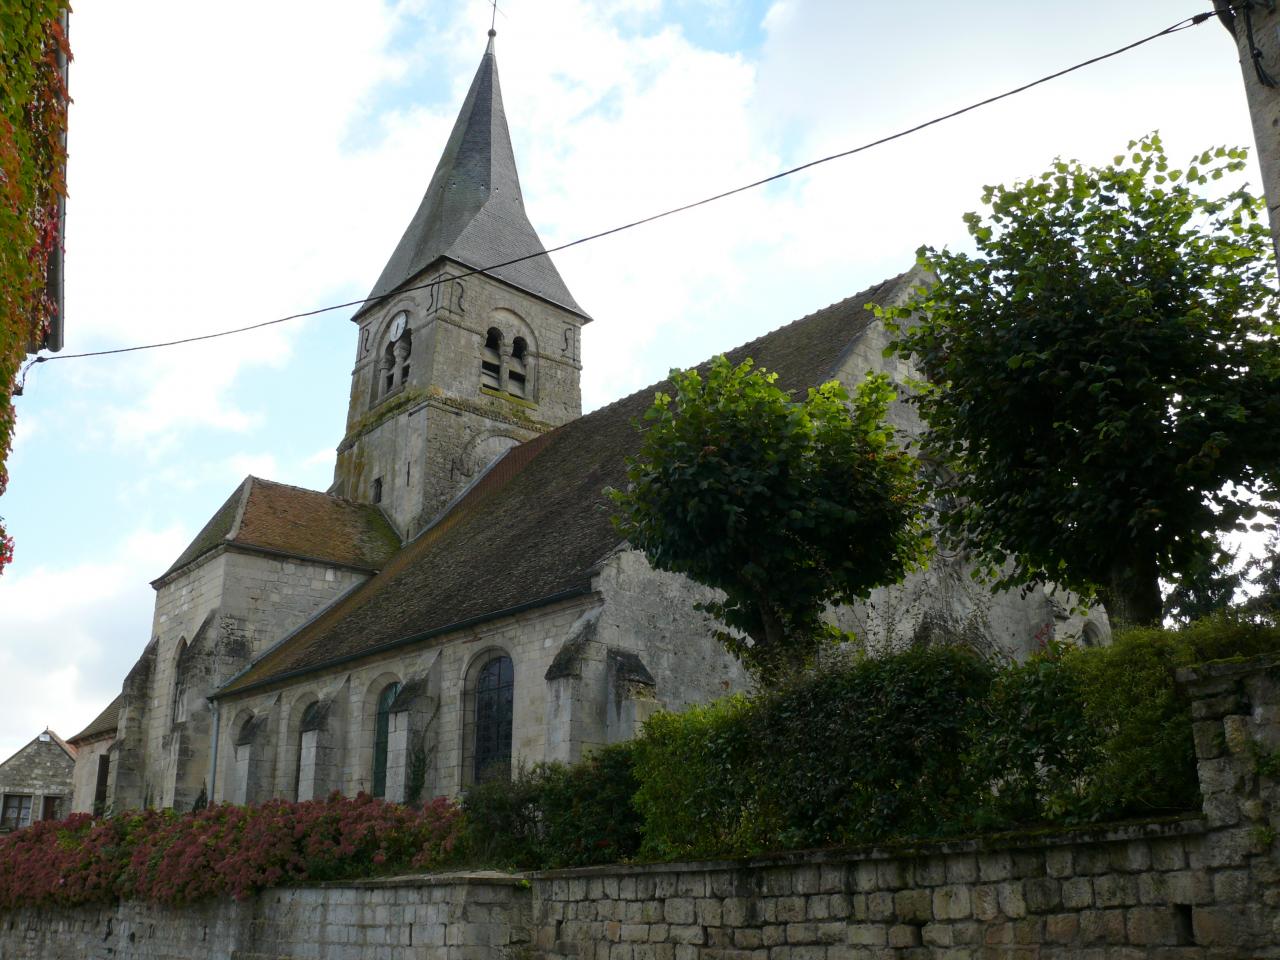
<point x="173" y="858"/>
<point x="587" y="811"/>
<point x="501" y="820"/>
<point x="1146" y="762"/>
<point x="878" y="748"/>
<point x="697" y="795"/>
<point x="1034" y="742"/>
<point x="552" y="815"/>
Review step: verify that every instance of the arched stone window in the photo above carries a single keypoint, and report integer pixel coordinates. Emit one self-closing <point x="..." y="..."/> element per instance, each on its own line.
<point x="306" y="724"/>
<point x="491" y="360"/>
<point x="494" y="701"/>
<point x="1091" y="634"/>
<point x="518" y="368"/>
<point x="393" y="363"/>
<point x="381" y="733"/>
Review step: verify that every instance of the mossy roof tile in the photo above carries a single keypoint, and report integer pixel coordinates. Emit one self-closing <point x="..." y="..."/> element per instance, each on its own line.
<point x="298" y="523"/>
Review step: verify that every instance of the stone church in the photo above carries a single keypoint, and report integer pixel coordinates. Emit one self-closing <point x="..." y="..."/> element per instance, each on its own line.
<point x="458" y="602"/>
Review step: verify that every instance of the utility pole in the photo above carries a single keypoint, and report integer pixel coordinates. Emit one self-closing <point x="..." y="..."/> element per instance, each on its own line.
<point x="1255" y="26"/>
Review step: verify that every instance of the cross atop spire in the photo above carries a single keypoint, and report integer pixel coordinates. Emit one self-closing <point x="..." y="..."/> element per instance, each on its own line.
<point x="473" y="212"/>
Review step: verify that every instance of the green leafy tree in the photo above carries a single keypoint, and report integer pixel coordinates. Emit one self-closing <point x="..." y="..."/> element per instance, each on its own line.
<point x="783" y="505"/>
<point x="1262" y="575"/>
<point x="1103" y="374"/>
<point x="1202" y="590"/>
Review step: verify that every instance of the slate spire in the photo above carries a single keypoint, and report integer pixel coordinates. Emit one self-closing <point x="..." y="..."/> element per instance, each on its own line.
<point x="472" y="212"/>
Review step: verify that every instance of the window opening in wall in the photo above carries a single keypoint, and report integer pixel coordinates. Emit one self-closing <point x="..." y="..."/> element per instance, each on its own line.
<point x="306" y="723"/>
<point x="16" y="812"/>
<point x="178" y="706"/>
<point x="51" y="808"/>
<point x="381" y="733"/>
<point x="491" y="360"/>
<point x="517" y="370"/>
<point x="100" y="788"/>
<point x="377" y="489"/>
<point x="495" y="687"/>
<point x="388" y="368"/>
<point x="404" y="348"/>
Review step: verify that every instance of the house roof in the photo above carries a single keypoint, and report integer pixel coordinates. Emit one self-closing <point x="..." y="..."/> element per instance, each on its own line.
<point x="535" y="527"/>
<point x="473" y="212"/>
<point x="103" y="723"/>
<point x="306" y="524"/>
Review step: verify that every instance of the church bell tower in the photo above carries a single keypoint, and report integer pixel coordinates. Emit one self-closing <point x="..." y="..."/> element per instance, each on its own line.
<point x="452" y="367"/>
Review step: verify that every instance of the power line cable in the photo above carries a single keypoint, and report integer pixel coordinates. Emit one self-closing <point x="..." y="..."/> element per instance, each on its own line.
<point x="1184" y="24"/>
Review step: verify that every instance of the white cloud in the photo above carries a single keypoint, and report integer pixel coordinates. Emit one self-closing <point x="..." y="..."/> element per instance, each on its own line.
<point x="70" y="633"/>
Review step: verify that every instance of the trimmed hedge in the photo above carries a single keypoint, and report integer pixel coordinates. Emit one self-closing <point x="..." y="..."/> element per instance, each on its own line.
<point x="918" y="745"/>
<point x="173" y="858"/>
<point x="553" y="815"/>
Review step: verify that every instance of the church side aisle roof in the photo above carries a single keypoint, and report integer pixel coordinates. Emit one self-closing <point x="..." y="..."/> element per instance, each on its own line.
<point x="105" y="722"/>
<point x="306" y="524"/>
<point x="537" y="525"/>
<point x="473" y="212"/>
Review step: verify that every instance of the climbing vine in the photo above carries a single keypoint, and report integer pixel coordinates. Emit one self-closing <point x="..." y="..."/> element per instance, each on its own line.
<point x="33" y="160"/>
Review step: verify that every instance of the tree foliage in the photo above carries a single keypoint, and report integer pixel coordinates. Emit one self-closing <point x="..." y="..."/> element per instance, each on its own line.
<point x="783" y="505"/>
<point x="33" y="118"/>
<point x="1103" y="374"/>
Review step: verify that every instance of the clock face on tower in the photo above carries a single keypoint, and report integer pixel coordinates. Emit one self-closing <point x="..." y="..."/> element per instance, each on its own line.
<point x="398" y="323"/>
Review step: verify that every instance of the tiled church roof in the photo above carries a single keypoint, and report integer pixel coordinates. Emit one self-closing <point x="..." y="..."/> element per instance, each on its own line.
<point x="535" y="527"/>
<point x="306" y="524"/>
<point x="105" y="722"/>
<point x="473" y="211"/>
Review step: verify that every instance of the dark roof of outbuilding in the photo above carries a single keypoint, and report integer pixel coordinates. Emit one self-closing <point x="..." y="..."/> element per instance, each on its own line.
<point x="535" y="527"/>
<point x="473" y="212"/>
<point x="103" y="723"/>
<point x="306" y="524"/>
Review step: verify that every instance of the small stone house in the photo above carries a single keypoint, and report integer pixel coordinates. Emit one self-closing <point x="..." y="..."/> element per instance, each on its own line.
<point x="35" y="783"/>
<point x="458" y="602"/>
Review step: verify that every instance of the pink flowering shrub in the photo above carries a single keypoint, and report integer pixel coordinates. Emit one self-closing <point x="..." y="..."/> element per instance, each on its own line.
<point x="223" y="850"/>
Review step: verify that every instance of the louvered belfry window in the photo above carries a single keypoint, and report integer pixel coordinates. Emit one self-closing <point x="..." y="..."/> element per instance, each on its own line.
<point x="382" y="729"/>
<point x="494" y="698"/>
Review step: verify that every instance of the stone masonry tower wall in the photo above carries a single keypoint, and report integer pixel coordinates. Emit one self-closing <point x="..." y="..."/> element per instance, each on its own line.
<point x="453" y="367"/>
<point x="414" y="440"/>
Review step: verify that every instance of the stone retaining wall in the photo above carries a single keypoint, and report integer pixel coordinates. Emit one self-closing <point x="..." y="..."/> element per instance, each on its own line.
<point x="450" y="917"/>
<point x="1197" y="888"/>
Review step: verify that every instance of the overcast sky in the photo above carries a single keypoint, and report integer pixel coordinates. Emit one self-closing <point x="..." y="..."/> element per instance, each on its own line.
<point x="234" y="163"/>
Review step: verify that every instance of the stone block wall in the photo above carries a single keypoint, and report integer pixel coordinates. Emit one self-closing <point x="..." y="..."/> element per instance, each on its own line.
<point x="1128" y="892"/>
<point x="448" y="917"/>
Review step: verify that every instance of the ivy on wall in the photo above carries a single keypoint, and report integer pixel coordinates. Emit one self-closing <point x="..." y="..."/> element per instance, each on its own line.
<point x="33" y="160"/>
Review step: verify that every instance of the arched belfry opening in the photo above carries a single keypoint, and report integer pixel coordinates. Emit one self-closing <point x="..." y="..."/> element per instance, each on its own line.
<point x="517" y="371"/>
<point x="491" y="360"/>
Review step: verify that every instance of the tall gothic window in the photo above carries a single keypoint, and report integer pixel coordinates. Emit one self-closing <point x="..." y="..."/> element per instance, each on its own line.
<point x="307" y="722"/>
<point x="495" y="686"/>
<point x="381" y="733"/>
